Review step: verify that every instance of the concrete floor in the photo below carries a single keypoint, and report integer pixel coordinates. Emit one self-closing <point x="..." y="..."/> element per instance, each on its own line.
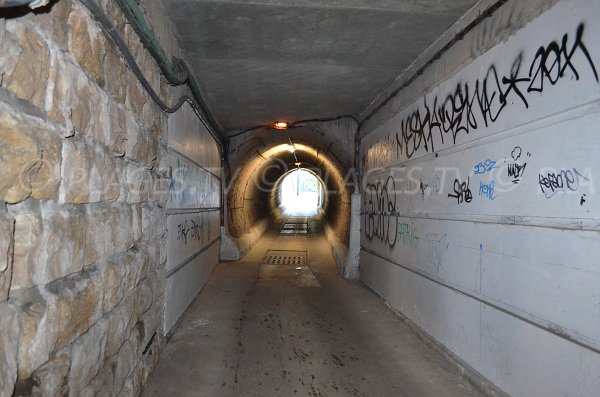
<point x="274" y="330"/>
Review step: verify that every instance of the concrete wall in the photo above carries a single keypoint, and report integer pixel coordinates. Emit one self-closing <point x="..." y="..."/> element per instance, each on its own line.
<point x="84" y="192"/>
<point x="480" y="214"/>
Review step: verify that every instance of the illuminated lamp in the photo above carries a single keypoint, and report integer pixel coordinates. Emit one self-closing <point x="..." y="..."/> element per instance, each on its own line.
<point x="297" y="164"/>
<point x="281" y="125"/>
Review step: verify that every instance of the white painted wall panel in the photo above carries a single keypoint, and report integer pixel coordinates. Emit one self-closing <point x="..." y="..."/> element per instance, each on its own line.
<point x="193" y="210"/>
<point x="184" y="285"/>
<point x="485" y="232"/>
<point x="536" y="362"/>
<point x="190" y="137"/>
<point x="191" y="186"/>
<point x="189" y="233"/>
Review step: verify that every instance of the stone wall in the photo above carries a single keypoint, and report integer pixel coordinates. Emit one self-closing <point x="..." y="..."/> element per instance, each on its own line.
<point x="82" y="218"/>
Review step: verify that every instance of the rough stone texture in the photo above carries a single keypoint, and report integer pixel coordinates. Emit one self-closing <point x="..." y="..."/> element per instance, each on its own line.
<point x="6" y="251"/>
<point x="119" y="322"/>
<point x="9" y="333"/>
<point x="107" y="231"/>
<point x="49" y="242"/>
<point x="82" y="207"/>
<point x="153" y="222"/>
<point x="87" y="356"/>
<point x="29" y="73"/>
<point x="54" y="22"/>
<point x="89" y="173"/>
<point x="140" y="145"/>
<point x="39" y="330"/>
<point x="51" y="378"/>
<point x="79" y="300"/>
<point x="29" y="157"/>
<point x="86" y="45"/>
<point x="114" y="68"/>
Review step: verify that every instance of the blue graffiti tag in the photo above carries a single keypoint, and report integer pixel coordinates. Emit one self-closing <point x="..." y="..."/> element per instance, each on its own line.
<point x="487" y="190"/>
<point x="485" y="166"/>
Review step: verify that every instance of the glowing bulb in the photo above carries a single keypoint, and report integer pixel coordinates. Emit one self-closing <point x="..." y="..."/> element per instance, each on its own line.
<point x="297" y="164"/>
<point x="280" y="125"/>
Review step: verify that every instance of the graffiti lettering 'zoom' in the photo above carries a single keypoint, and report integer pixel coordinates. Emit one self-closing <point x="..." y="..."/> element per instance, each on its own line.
<point x="380" y="211"/>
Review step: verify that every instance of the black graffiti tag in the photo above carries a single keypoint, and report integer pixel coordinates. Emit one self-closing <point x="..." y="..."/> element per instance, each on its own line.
<point x="462" y="193"/>
<point x="474" y="104"/>
<point x="381" y="219"/>
<point x="562" y="181"/>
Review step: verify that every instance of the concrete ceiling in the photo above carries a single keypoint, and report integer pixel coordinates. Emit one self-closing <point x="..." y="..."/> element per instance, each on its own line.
<point x="262" y="60"/>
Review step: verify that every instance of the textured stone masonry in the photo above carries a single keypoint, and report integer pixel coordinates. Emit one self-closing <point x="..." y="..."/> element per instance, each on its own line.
<point x="82" y="207"/>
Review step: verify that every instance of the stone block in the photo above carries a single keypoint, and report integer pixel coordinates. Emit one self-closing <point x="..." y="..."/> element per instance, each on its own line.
<point x="108" y="231"/>
<point x="87" y="356"/>
<point x="136" y="261"/>
<point x="86" y="43"/>
<point x="51" y="379"/>
<point x="139" y="183"/>
<point x="140" y="146"/>
<point x="9" y="335"/>
<point x="99" y="123"/>
<point x="154" y="221"/>
<point x="49" y="242"/>
<point x="55" y="22"/>
<point x="40" y="325"/>
<point x="119" y="326"/>
<point x="136" y="96"/>
<point x="137" y="222"/>
<point x="79" y="302"/>
<point x="125" y="361"/>
<point x="133" y="384"/>
<point x="27" y="75"/>
<point x="118" y="134"/>
<point x="114" y="282"/>
<point x="115" y="68"/>
<point x="7" y="225"/>
<point x="29" y="157"/>
<point x="103" y="383"/>
<point x="90" y="173"/>
<point x="143" y="295"/>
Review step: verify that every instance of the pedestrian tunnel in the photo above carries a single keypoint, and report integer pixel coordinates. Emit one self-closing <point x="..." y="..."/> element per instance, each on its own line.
<point x="281" y="181"/>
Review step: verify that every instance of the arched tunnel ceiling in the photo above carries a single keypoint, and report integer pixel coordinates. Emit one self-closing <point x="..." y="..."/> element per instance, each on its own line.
<point x="261" y="60"/>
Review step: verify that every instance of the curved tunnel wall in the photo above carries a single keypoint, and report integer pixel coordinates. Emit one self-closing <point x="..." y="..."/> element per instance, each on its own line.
<point x="249" y="198"/>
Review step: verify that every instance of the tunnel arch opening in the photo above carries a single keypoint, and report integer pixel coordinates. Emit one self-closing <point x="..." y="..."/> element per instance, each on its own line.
<point x="299" y="191"/>
<point x="253" y="202"/>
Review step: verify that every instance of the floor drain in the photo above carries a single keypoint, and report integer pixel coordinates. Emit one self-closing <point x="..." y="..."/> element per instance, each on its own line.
<point x="282" y="257"/>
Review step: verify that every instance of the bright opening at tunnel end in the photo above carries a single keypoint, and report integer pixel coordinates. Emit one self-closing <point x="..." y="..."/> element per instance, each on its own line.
<point x="301" y="193"/>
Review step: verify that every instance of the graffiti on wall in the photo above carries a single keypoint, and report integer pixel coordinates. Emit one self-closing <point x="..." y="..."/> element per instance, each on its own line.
<point x="472" y="105"/>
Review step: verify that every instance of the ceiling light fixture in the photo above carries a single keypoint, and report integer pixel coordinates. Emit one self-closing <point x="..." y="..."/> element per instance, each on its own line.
<point x="281" y="125"/>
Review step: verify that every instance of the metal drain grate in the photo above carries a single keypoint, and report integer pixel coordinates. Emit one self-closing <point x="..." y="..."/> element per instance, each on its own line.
<point x="281" y="257"/>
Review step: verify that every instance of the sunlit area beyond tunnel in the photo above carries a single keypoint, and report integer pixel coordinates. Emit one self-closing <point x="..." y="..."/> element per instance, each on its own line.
<point x="300" y="193"/>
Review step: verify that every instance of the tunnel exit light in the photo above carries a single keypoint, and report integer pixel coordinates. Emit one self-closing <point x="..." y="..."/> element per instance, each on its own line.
<point x="281" y="125"/>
